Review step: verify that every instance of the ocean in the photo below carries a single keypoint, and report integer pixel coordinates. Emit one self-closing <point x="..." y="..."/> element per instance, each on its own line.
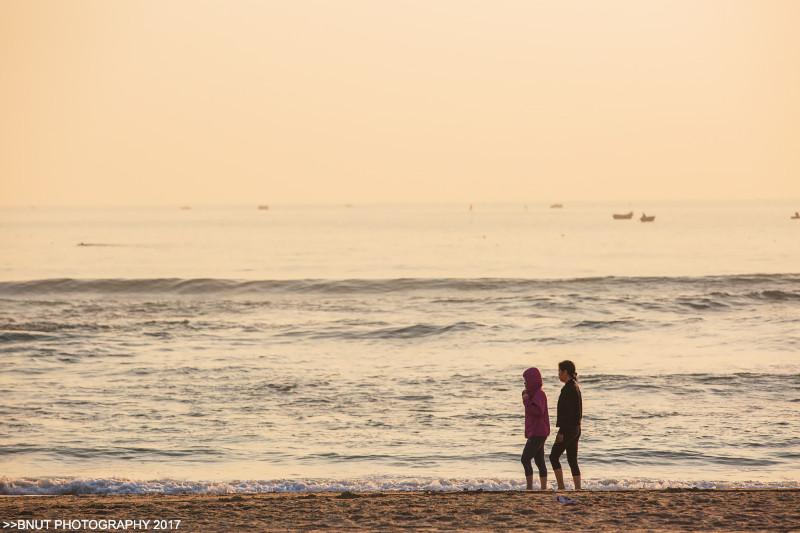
<point x="303" y="348"/>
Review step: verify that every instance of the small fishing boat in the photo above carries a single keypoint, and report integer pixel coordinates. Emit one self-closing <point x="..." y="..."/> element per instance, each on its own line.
<point x="556" y="206"/>
<point x="796" y="216"/>
<point x="626" y="216"/>
<point x="645" y="218"/>
<point x="263" y="207"/>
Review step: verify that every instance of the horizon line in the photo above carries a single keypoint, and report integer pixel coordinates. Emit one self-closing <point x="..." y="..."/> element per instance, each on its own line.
<point x="350" y="204"/>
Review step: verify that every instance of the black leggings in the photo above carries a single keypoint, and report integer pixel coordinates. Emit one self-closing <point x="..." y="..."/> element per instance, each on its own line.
<point x="534" y="449"/>
<point x="569" y="443"/>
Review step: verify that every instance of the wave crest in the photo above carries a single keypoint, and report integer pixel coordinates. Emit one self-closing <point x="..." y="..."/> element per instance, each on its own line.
<point x="230" y="286"/>
<point x="59" y="486"/>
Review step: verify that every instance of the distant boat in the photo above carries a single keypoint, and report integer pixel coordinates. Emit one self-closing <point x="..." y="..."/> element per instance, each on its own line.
<point x="264" y="207"/>
<point x="796" y="215"/>
<point x="626" y="216"/>
<point x="645" y="218"/>
<point x="186" y="207"/>
<point x="556" y="206"/>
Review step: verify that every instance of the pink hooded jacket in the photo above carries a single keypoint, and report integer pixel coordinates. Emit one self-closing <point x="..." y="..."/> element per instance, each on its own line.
<point x="537" y="419"/>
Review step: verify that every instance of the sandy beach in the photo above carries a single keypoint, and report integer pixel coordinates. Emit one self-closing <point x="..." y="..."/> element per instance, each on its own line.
<point x="670" y="510"/>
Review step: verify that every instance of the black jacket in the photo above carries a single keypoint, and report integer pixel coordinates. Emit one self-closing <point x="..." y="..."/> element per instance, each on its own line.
<point x="570" y="406"/>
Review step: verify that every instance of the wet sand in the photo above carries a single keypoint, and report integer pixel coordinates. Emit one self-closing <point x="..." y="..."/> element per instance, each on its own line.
<point x="668" y="510"/>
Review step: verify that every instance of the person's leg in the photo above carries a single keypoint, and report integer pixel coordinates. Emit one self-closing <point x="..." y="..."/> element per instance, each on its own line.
<point x="572" y="458"/>
<point x="555" y="453"/>
<point x="527" y="455"/>
<point x="559" y="479"/>
<point x="541" y="465"/>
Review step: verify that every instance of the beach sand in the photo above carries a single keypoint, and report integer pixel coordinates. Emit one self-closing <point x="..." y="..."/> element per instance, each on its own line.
<point x="666" y="510"/>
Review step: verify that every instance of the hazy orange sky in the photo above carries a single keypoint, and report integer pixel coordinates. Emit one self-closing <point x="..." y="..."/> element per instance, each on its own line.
<point x="158" y="102"/>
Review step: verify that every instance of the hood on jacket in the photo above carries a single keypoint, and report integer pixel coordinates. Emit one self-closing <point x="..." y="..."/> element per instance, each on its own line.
<point x="533" y="379"/>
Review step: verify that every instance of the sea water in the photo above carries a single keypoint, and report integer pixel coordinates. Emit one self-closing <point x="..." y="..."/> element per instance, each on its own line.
<point x="220" y="349"/>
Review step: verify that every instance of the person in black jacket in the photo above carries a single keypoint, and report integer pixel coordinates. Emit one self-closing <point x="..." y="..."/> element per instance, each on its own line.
<point x="570" y="412"/>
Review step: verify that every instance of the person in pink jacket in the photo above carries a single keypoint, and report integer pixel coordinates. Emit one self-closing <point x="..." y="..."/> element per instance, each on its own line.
<point x="537" y="426"/>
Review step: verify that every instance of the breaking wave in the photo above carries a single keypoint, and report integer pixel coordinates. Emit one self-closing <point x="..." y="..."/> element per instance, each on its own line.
<point x="201" y="286"/>
<point x="59" y="486"/>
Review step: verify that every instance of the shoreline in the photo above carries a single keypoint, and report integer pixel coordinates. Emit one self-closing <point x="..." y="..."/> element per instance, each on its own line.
<point x="639" y="509"/>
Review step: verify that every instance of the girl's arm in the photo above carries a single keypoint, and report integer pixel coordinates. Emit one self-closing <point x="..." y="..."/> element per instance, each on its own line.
<point x="527" y="400"/>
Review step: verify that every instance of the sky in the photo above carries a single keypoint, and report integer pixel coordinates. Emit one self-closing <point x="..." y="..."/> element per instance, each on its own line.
<point x="314" y="101"/>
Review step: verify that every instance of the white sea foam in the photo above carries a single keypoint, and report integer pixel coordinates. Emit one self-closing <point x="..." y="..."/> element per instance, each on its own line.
<point x="56" y="486"/>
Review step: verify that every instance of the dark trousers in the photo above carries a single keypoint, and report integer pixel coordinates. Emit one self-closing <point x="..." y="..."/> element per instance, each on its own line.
<point x="570" y="444"/>
<point x="534" y="449"/>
